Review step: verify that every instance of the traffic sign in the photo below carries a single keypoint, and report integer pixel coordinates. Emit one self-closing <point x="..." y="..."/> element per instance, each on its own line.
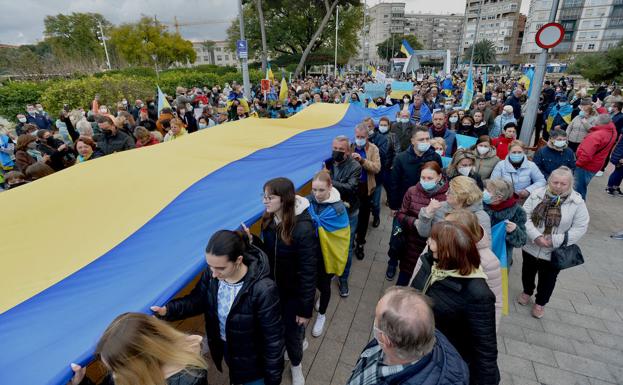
<point x="242" y="49"/>
<point x="550" y="35"/>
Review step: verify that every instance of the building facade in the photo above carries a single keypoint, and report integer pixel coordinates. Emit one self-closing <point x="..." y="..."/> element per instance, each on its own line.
<point x="217" y="53"/>
<point x="384" y="20"/>
<point x="499" y="20"/>
<point x="436" y="31"/>
<point x="590" y="26"/>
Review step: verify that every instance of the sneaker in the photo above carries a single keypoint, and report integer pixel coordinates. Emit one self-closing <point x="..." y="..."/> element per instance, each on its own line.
<point x="610" y="191"/>
<point x="390" y="273"/>
<point x="297" y="375"/>
<point x="617" y="236"/>
<point x="343" y="286"/>
<point x="618" y="191"/>
<point x="523" y="299"/>
<point x="317" y="305"/>
<point x="318" y="325"/>
<point x="538" y="311"/>
<point x="599" y="173"/>
<point x="376" y="222"/>
<point x="359" y="251"/>
<point x="305" y="346"/>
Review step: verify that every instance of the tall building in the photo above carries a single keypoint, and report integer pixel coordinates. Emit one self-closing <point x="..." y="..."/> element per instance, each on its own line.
<point x="384" y="21"/>
<point x="590" y="26"/>
<point x="436" y="31"/>
<point x="498" y="21"/>
<point x="218" y="53"/>
<point x="518" y="34"/>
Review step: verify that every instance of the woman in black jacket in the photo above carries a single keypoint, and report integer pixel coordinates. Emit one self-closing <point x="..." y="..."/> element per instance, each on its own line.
<point x="241" y="307"/>
<point x="463" y="304"/>
<point x="293" y="249"/>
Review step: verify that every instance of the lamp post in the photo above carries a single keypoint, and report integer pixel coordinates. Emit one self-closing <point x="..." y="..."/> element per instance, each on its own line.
<point x="155" y="58"/>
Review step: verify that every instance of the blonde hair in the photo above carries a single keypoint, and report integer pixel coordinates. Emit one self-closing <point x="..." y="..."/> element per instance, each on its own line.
<point x="467" y="219"/>
<point x="516" y="143"/>
<point x="465" y="190"/>
<point x="500" y="188"/>
<point x="439" y="141"/>
<point x="136" y="346"/>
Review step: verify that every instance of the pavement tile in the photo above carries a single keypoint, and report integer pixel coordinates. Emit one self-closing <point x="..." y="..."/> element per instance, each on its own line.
<point x="342" y="374"/>
<point x="548" y="375"/>
<point x="530" y="352"/>
<point x="614" y="327"/>
<point x="565" y="330"/>
<point x="518" y="380"/>
<point x="582" y="320"/>
<point x="584" y="366"/>
<point x="602" y="312"/>
<point x="549" y="341"/>
<point x="325" y="361"/>
<point x="600" y="353"/>
<point x="606" y="339"/>
<point x="516" y="365"/>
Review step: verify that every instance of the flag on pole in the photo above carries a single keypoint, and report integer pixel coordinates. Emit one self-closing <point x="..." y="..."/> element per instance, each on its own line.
<point x="406" y="48"/>
<point x="162" y="101"/>
<point x="371" y="70"/>
<point x="526" y="80"/>
<point x="484" y="81"/>
<point x="283" y="91"/>
<point x="468" y="92"/>
<point x="269" y="73"/>
<point x="498" y="246"/>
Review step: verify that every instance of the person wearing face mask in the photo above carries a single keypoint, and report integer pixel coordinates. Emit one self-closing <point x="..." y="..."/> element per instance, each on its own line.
<point x="487" y="114"/>
<point x="486" y="157"/>
<point x="345" y="173"/>
<point x="136" y="109"/>
<point x="402" y="128"/>
<point x="556" y="214"/>
<point x="463" y="164"/>
<point x="367" y="154"/>
<point x="381" y="142"/>
<point x="509" y="134"/>
<point x="439" y="145"/>
<point x="60" y="154"/>
<point x="439" y="129"/>
<point x="480" y="127"/>
<point x="34" y="117"/>
<point x="406" y="102"/>
<point x="581" y="124"/>
<point x="522" y="173"/>
<point x="502" y="205"/>
<point x="21" y="121"/>
<point x="112" y="139"/>
<point x="145" y="121"/>
<point x="466" y="127"/>
<point x="188" y="118"/>
<point x="7" y="152"/>
<point x="555" y="154"/>
<point x="501" y="121"/>
<point x="432" y="185"/>
<point x="26" y="153"/>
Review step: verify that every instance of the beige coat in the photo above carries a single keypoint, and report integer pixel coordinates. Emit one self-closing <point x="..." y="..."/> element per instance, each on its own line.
<point x="578" y="129"/>
<point x="372" y="164"/>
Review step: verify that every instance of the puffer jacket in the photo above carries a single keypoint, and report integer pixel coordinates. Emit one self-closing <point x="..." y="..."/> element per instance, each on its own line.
<point x="371" y="164"/>
<point x="484" y="165"/>
<point x="596" y="146"/>
<point x="294" y="266"/>
<point x="464" y="311"/>
<point x="406" y="172"/>
<point x="415" y="199"/>
<point x="527" y="177"/>
<point x="574" y="221"/>
<point x="425" y="221"/>
<point x="577" y="129"/>
<point x="254" y="329"/>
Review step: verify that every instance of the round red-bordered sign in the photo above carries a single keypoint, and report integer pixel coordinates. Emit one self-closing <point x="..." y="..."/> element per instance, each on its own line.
<point x="550" y="35"/>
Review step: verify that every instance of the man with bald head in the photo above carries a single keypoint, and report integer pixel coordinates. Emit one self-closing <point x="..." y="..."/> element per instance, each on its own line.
<point x="406" y="348"/>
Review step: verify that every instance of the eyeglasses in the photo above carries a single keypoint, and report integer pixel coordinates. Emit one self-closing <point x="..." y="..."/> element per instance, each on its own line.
<point x="268" y="197"/>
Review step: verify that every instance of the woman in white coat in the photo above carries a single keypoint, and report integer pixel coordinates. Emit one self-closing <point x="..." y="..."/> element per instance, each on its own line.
<point x="553" y="211"/>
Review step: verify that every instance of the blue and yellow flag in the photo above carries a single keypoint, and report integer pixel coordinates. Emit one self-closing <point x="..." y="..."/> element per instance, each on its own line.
<point x="334" y="235"/>
<point x="371" y="70"/>
<point x="406" y="48"/>
<point x="162" y="101"/>
<point x="269" y="73"/>
<point x="468" y="92"/>
<point x="283" y="90"/>
<point x="564" y="112"/>
<point x="526" y="80"/>
<point x="498" y="246"/>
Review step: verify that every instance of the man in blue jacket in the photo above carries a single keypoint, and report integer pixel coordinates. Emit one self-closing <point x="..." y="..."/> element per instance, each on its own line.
<point x="555" y="154"/>
<point x="33" y="117"/>
<point x="406" y="348"/>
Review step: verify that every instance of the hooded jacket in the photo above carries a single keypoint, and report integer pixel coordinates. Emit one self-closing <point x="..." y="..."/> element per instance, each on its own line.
<point x="596" y="146"/>
<point x="527" y="177"/>
<point x="294" y="267"/>
<point x="484" y="165"/>
<point x="254" y="328"/>
<point x="464" y="309"/>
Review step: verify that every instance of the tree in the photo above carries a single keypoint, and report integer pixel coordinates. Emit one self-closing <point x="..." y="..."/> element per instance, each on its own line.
<point x="262" y="21"/>
<point x="390" y="48"/>
<point x="484" y="53"/>
<point x="600" y="67"/>
<point x="137" y="42"/>
<point x="209" y="47"/>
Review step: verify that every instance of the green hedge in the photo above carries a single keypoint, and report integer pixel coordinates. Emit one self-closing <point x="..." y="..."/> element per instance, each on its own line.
<point x="15" y="95"/>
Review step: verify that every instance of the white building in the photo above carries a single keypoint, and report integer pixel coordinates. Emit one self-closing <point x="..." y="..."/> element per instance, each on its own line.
<point x="384" y="21"/>
<point x="436" y="31"/>
<point x="590" y="25"/>
<point x="218" y="53"/>
<point x="499" y="20"/>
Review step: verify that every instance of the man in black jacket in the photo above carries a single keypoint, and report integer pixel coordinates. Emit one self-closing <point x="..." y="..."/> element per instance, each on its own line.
<point x="113" y="140"/>
<point x="345" y="174"/>
<point x="406" y="173"/>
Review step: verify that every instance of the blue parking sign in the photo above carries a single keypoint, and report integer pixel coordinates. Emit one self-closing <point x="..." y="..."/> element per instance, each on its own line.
<point x="242" y="49"/>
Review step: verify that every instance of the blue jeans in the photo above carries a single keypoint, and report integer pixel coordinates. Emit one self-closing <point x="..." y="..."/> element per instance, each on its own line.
<point x="616" y="177"/>
<point x="376" y="201"/>
<point x="352" y="219"/>
<point x="582" y="179"/>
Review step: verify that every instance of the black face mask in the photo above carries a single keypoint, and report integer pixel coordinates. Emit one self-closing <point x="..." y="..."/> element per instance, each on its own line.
<point x="338" y="156"/>
<point x="50" y="141"/>
<point x="467" y="126"/>
<point x="107" y="132"/>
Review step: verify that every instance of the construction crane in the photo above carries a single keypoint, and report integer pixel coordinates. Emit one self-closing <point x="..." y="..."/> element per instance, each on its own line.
<point x="177" y="24"/>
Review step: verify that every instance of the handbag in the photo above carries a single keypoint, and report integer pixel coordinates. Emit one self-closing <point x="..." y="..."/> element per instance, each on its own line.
<point x="567" y="256"/>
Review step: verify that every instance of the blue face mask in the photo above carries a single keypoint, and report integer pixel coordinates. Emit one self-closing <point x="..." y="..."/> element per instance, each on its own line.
<point x="428" y="185"/>
<point x="486" y="197"/>
<point x="581" y="114"/>
<point x="516" y="158"/>
<point x="423" y="147"/>
<point x="360" y="142"/>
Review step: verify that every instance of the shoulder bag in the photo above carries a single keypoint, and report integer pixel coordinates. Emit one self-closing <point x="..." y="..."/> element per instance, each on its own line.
<point x="566" y="256"/>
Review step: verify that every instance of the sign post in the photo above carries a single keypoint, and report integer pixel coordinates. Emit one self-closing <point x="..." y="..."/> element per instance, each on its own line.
<point x="243" y="54"/>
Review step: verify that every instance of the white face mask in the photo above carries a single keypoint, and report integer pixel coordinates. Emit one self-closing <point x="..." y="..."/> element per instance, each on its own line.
<point x="453" y="119"/>
<point x="383" y="129"/>
<point x="440" y="152"/>
<point x="464" y="170"/>
<point x="482" y="150"/>
<point x="22" y="120"/>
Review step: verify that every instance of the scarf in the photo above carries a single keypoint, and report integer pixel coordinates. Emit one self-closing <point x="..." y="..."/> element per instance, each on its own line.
<point x="371" y="370"/>
<point x="510" y="202"/>
<point x="548" y="213"/>
<point x="437" y="274"/>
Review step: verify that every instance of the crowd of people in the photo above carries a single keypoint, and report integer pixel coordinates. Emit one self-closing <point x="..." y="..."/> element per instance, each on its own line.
<point x="258" y="292"/>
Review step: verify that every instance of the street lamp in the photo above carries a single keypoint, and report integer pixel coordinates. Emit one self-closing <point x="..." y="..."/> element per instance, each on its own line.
<point x="155" y="58"/>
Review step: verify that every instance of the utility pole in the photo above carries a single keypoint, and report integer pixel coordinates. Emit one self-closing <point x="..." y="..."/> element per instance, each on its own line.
<point x="365" y="39"/>
<point x="537" y="84"/>
<point x="337" y="18"/>
<point x="245" y="65"/>
<point x="104" y="43"/>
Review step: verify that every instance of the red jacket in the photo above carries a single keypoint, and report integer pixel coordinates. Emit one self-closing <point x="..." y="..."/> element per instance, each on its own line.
<point x="501" y="146"/>
<point x="596" y="146"/>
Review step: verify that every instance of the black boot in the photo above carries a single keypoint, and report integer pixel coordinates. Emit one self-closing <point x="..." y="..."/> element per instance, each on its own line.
<point x="359" y="251"/>
<point x="376" y="222"/>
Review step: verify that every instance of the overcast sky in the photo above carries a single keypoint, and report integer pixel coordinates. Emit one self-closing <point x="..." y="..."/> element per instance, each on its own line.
<point x="21" y="22"/>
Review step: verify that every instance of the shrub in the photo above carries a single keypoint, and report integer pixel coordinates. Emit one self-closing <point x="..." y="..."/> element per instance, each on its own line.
<point x="15" y="95"/>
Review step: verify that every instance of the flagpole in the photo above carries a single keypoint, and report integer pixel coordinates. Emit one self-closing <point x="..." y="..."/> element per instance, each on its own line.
<point x="337" y="18"/>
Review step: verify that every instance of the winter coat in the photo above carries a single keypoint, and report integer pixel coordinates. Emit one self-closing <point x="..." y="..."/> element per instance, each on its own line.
<point x="119" y="141"/>
<point x="577" y="129"/>
<point x="617" y="153"/>
<point x="548" y="159"/>
<point x="415" y="199"/>
<point x="448" y="136"/>
<point x="294" y="267"/>
<point x="345" y="178"/>
<point x="23" y="160"/>
<point x="464" y="311"/>
<point x="41" y="121"/>
<point x="254" y="329"/>
<point x="452" y="173"/>
<point x="371" y="164"/>
<point x="184" y="377"/>
<point x="406" y="173"/>
<point x="574" y="220"/>
<point x="516" y="104"/>
<point x="527" y="177"/>
<point x="442" y="366"/>
<point x="425" y="222"/>
<point x="596" y="146"/>
<point x="501" y="146"/>
<point x="484" y="165"/>
<point x="403" y="133"/>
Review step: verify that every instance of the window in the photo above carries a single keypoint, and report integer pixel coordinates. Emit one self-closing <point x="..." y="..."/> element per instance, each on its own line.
<point x="226" y="57"/>
<point x="591" y="46"/>
<point x="219" y="58"/>
<point x="579" y="47"/>
<point x="206" y="58"/>
<point x="597" y="23"/>
<point x="218" y="49"/>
